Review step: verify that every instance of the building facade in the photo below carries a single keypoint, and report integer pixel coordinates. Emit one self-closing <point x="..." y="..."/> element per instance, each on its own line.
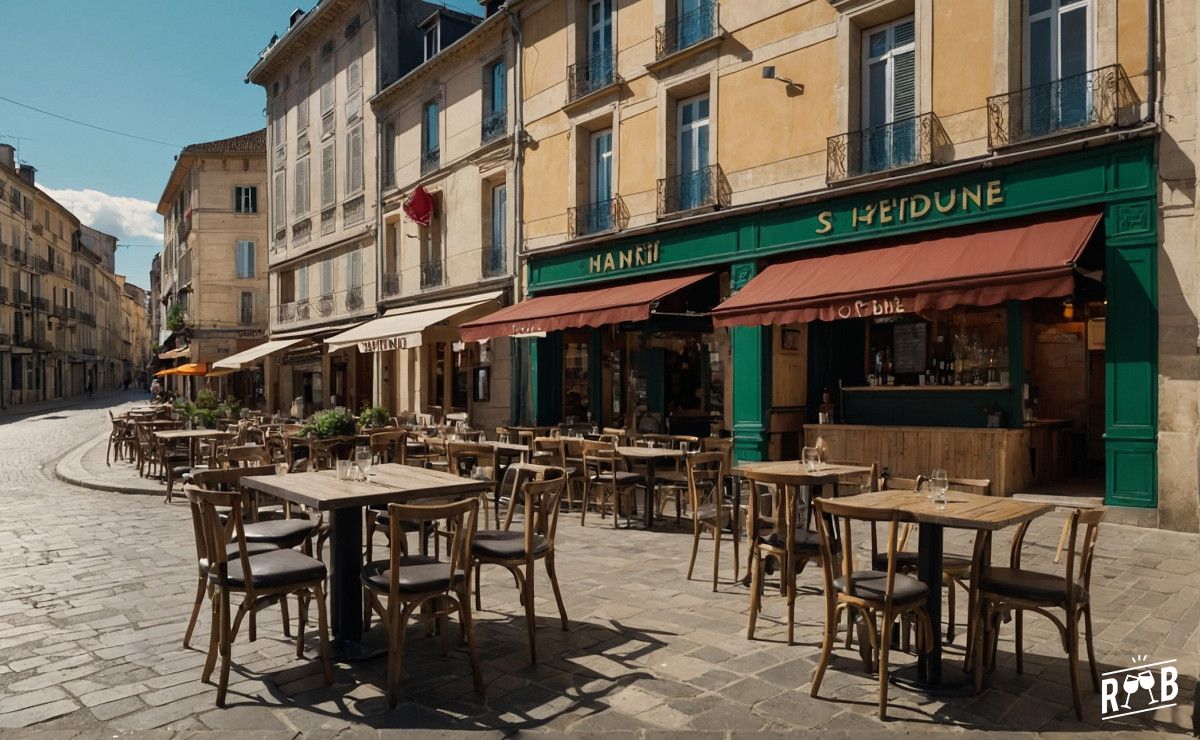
<point x="214" y="265"/>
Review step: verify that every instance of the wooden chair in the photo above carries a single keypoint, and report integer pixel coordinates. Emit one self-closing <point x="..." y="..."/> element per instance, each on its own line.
<point x="711" y="512"/>
<point x="281" y="572"/>
<point x="620" y="436"/>
<point x="462" y="457"/>
<point x="603" y="473"/>
<point x="1014" y="589"/>
<point x="407" y="582"/>
<point x="886" y="594"/>
<point x="553" y="451"/>
<point x="121" y="439"/>
<point x="514" y="551"/>
<point x="248" y="455"/>
<point x="390" y="447"/>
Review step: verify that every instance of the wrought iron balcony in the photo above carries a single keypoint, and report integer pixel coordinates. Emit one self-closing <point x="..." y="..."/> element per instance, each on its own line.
<point x="431" y="274"/>
<point x="20" y="256"/>
<point x="495" y="126"/>
<point x="91" y="351"/>
<point x="4" y="339"/>
<point x="593" y="73"/>
<point x="286" y="312"/>
<point x="1097" y="98"/>
<point x="41" y="264"/>
<point x="354" y="299"/>
<point x="495" y="260"/>
<point x="430" y="160"/>
<point x="3" y="294"/>
<point x="302" y="311"/>
<point x="596" y="218"/>
<point x="41" y="304"/>
<point x="686" y="30"/>
<point x="88" y="319"/>
<point x="690" y="190"/>
<point x="391" y="284"/>
<point x="905" y="143"/>
<point x="325" y="305"/>
<point x="246" y="316"/>
<point x="21" y="297"/>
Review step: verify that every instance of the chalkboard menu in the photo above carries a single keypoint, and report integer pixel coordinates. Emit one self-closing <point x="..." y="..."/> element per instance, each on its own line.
<point x="908" y="347"/>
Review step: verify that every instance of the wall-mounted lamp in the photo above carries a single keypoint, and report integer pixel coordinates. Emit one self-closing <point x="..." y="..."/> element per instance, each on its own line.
<point x="1068" y="310"/>
<point x="768" y="73"/>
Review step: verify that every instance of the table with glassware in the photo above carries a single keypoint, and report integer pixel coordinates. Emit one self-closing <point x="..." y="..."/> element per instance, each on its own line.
<point x="193" y="436"/>
<point x="345" y="499"/>
<point x="650" y="456"/>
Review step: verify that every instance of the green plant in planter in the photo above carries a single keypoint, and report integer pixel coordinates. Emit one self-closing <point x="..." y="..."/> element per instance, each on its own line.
<point x="175" y="317"/>
<point x="374" y="416"/>
<point x="206" y="399"/>
<point x="231" y="408"/>
<point x="207" y="417"/>
<point x="334" y="423"/>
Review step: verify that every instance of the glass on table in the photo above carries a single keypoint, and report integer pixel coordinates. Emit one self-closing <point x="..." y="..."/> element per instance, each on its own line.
<point x="939" y="483"/>
<point x="343" y="469"/>
<point x="811" y="458"/>
<point x="363" y="460"/>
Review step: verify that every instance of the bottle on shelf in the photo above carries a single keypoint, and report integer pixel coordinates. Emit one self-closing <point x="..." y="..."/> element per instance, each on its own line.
<point x="887" y="366"/>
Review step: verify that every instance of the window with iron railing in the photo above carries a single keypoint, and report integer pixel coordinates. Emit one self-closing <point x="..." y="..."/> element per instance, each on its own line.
<point x="1096" y="98"/>
<point x="696" y="189"/>
<point x="594" y="218"/>
<point x="904" y="143"/>
<point x="595" y="72"/>
<point x="431" y="274"/>
<point x="391" y="284"/>
<point x="696" y="22"/>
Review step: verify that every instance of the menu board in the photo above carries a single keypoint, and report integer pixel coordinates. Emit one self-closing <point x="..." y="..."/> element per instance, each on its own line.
<point x="908" y="347"/>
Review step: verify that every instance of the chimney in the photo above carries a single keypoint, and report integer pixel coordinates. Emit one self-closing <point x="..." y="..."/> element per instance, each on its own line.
<point x="27" y="173"/>
<point x="8" y="156"/>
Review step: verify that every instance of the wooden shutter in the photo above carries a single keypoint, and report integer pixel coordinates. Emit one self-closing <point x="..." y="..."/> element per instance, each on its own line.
<point x="354" y="163"/>
<point x="328" y="176"/>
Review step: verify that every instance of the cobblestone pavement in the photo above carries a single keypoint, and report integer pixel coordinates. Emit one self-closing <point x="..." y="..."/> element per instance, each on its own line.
<point x="95" y="589"/>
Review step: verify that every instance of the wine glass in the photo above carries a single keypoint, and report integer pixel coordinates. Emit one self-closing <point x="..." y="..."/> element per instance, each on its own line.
<point x="1146" y="681"/>
<point x="810" y="456"/>
<point x="1131" y="685"/>
<point x="939" y="483"/>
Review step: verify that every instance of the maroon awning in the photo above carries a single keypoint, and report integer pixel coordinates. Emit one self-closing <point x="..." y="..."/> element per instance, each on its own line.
<point x="1029" y="259"/>
<point x="607" y="304"/>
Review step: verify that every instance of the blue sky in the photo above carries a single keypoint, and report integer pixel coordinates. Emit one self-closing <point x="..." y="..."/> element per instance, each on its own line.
<point x="169" y="70"/>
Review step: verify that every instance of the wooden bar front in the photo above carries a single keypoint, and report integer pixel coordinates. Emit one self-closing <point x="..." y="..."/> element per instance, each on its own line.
<point x="1001" y="455"/>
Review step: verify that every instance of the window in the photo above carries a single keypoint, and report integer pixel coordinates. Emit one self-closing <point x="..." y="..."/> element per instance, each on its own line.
<point x="247" y="307"/>
<point x="279" y="201"/>
<point x="354" y="161"/>
<point x="302" y="92"/>
<point x="430" y="127"/>
<point x="354" y="81"/>
<point x="598" y="216"/>
<point x="279" y="131"/>
<point x="1058" y="43"/>
<point x="498" y="88"/>
<point x="433" y="40"/>
<point x="300" y="199"/>
<point x="354" y="272"/>
<point x="889" y="96"/>
<point x="245" y="199"/>
<point x="692" y="163"/>
<point x="328" y="176"/>
<point x="599" y="27"/>
<point x="494" y="256"/>
<point x="389" y="154"/>
<point x="327" y="89"/>
<point x="431" y="248"/>
<point x="301" y="290"/>
<point x="326" y="277"/>
<point x="245" y="259"/>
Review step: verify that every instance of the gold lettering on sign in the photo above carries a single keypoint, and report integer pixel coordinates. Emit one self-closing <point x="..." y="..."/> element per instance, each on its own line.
<point x="873" y="307"/>
<point x="994" y="196"/>
<point x="636" y="256"/>
<point x="971" y="195"/>
<point x="906" y="208"/>
<point x="918" y="211"/>
<point x="946" y="207"/>
<point x="826" y="220"/>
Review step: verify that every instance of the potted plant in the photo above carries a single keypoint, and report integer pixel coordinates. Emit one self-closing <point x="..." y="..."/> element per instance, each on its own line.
<point x="334" y="423"/>
<point x="373" y="416"/>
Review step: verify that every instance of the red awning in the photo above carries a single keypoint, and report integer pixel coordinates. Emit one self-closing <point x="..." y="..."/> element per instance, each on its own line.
<point x="608" y="304"/>
<point x="1034" y="259"/>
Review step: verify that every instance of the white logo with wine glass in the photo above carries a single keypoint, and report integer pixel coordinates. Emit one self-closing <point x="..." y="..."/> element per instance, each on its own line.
<point x="1145" y="687"/>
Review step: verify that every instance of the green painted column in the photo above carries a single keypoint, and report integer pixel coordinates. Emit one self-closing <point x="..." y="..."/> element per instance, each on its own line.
<point x="546" y="368"/>
<point x="751" y="350"/>
<point x="1131" y="355"/>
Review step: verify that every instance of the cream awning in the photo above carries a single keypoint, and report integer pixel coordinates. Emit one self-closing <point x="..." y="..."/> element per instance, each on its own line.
<point x="246" y="357"/>
<point x="175" y="354"/>
<point x="401" y="328"/>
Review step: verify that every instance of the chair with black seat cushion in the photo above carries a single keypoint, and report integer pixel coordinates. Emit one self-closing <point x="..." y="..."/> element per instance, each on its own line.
<point x="398" y="586"/>
<point x="999" y="591"/>
<point x="605" y="475"/>
<point x="516" y="550"/>
<point x="263" y="577"/>
<point x="463" y="457"/>
<point x="711" y="512"/>
<point x="882" y="595"/>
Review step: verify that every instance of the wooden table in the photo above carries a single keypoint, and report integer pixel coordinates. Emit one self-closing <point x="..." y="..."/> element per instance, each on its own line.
<point x="793" y="473"/>
<point x="344" y="500"/>
<point x="192" y="436"/>
<point x="962" y="511"/>
<point x="651" y="456"/>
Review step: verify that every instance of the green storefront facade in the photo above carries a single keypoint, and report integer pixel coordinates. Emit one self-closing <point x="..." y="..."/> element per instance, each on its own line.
<point x="1117" y="181"/>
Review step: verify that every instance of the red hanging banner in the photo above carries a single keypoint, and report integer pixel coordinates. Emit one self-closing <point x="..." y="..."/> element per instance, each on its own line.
<point x="419" y="206"/>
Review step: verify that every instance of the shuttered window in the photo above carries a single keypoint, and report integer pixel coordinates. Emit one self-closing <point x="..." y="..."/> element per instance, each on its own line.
<point x="302" y="283"/>
<point x="889" y="80"/>
<point x="354" y="274"/>
<point x="327" y="276"/>
<point x="328" y="176"/>
<point x="327" y="89"/>
<point x="245" y="259"/>
<point x="300" y="194"/>
<point x="279" y="200"/>
<point x="354" y="161"/>
<point x="302" y="101"/>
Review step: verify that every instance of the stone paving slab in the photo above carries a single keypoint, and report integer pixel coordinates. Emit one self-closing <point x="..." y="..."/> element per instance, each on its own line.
<point x="95" y="588"/>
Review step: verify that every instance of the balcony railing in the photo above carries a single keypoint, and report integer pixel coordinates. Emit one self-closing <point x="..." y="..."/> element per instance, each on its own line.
<point x="41" y="304"/>
<point x="21" y="297"/>
<point x="905" y="143"/>
<point x="246" y="316"/>
<point x="41" y="264"/>
<point x="431" y="274"/>
<point x="4" y="339"/>
<point x="302" y="310"/>
<point x="430" y="160"/>
<point x="88" y="319"/>
<point x="325" y="305"/>
<point x="593" y="73"/>
<point x="690" y="190"/>
<point x="20" y="256"/>
<point x="687" y="30"/>
<point x="596" y="218"/>
<point x="90" y="351"/>
<point x="391" y="284"/>
<point x="354" y="299"/>
<point x="1094" y="99"/>
<point x="3" y="294"/>
<point x="495" y="260"/>
<point x="495" y="126"/>
<point x="286" y="313"/>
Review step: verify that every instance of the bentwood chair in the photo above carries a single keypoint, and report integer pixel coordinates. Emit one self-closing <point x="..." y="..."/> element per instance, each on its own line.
<point x="711" y="512"/>
<point x="520" y="550"/>
<point x="463" y="457"/>
<point x="262" y="577"/>
<point x="553" y="451"/>
<point x="882" y="595"/>
<point x="398" y="586"/>
<point x="390" y="447"/>
<point x="604" y="474"/>
<point x="999" y="591"/>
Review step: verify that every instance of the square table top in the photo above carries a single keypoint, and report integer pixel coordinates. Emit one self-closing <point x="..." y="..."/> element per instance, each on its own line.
<point x="191" y="434"/>
<point x="392" y="483"/>
<point x="647" y="453"/>
<point x="506" y="448"/>
<point x="795" y="472"/>
<point x="963" y="510"/>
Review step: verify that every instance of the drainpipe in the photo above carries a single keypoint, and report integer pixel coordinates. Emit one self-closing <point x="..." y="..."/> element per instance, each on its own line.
<point x="380" y="236"/>
<point x="1152" y="57"/>
<point x="521" y="405"/>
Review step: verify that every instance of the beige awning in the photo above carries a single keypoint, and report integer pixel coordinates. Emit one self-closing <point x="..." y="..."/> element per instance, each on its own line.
<point x="401" y="328"/>
<point x="249" y="356"/>
<point x="175" y="354"/>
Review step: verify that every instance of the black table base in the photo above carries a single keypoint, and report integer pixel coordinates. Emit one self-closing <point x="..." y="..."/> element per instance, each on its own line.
<point x="345" y="589"/>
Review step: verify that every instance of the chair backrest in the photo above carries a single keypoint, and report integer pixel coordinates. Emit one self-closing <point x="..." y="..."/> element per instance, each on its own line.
<point x="724" y="445"/>
<point x="835" y="514"/>
<point x="1080" y="554"/>
<point x="981" y="486"/>
<point x="543" y="500"/>
<point x="553" y="445"/>
<point x="226" y="479"/>
<point x="620" y="434"/>
<point x="390" y="446"/>
<point x="599" y="457"/>
<point x="894" y="483"/>
<point x="706" y="482"/>
<point x="213" y="535"/>
<point x="460" y="519"/>
<point x="424" y="420"/>
<point x="248" y="455"/>
<point x="463" y="455"/>
<point x="853" y="483"/>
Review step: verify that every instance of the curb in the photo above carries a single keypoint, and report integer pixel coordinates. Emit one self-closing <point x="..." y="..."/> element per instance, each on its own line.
<point x="76" y="456"/>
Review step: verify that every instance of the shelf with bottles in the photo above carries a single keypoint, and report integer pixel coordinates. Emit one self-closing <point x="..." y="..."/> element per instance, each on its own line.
<point x="964" y="348"/>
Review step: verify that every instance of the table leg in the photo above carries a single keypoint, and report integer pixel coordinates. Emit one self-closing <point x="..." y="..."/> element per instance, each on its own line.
<point x="345" y="593"/>
<point x="929" y="571"/>
<point x="651" y="482"/>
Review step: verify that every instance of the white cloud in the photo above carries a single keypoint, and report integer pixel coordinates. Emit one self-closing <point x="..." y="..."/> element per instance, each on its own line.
<point x="131" y="220"/>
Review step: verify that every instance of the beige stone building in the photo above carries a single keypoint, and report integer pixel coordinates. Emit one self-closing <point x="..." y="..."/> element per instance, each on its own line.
<point x="214" y="261"/>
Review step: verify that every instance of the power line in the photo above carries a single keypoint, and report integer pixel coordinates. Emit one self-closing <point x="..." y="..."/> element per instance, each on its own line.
<point x="90" y="125"/>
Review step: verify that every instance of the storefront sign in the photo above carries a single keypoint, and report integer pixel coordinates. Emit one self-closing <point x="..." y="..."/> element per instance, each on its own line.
<point x="638" y="255"/>
<point x="872" y="307"/>
<point x="959" y="199"/>
<point x="386" y="344"/>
